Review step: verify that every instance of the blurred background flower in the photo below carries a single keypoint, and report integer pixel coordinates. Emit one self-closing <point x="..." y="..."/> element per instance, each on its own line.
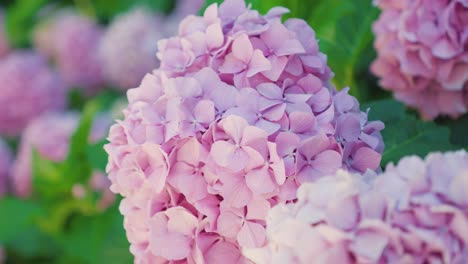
<point x="423" y="56"/>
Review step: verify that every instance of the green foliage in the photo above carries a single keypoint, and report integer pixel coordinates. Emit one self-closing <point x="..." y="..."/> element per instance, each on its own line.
<point x="101" y="237"/>
<point x="16" y="215"/>
<point x="105" y="11"/>
<point x="405" y="135"/>
<point x="97" y="157"/>
<point x="20" y="18"/>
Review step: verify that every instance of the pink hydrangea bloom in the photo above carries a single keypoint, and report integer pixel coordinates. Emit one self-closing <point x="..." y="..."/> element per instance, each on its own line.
<point x="5" y="163"/>
<point x="50" y="135"/>
<point x="239" y="114"/>
<point x="29" y="89"/>
<point x="422" y="54"/>
<point x="4" y="46"/>
<point x="72" y="41"/>
<point x="415" y="212"/>
<point x="128" y="47"/>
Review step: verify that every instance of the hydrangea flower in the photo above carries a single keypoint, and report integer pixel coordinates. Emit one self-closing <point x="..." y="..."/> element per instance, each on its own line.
<point x="422" y="55"/>
<point x="4" y="46"/>
<point x="415" y="212"/>
<point x="50" y="135"/>
<point x="29" y="89"/>
<point x="128" y="47"/>
<point x="72" y="41"/>
<point x="240" y="110"/>
<point x="5" y="163"/>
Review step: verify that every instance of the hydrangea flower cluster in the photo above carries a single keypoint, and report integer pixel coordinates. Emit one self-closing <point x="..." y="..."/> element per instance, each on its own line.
<point x="415" y="212"/>
<point x="29" y="88"/>
<point x="240" y="113"/>
<point x="5" y="163"/>
<point x="72" y="41"/>
<point x="50" y="135"/>
<point x="128" y="47"/>
<point x="4" y="46"/>
<point x="423" y="55"/>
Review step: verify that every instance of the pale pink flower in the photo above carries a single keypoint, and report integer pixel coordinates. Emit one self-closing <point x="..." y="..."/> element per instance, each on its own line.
<point x="30" y="88"/>
<point x="414" y="212"/>
<point x="422" y="54"/>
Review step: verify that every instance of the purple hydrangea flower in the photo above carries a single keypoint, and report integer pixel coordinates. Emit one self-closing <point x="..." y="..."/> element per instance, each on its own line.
<point x="128" y="48"/>
<point x="72" y="41"/>
<point x="423" y="55"/>
<point x="239" y="114"/>
<point x="29" y="88"/>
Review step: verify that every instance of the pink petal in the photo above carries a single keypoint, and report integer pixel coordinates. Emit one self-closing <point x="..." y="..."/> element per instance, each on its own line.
<point x="258" y="64"/>
<point x="229" y="156"/>
<point x="444" y="49"/>
<point x="301" y="122"/>
<point x="270" y="91"/>
<point x="214" y="36"/>
<point x="366" y="158"/>
<point x="236" y="192"/>
<point x="232" y="65"/>
<point x="278" y="64"/>
<point x="328" y="161"/>
<point x="229" y="224"/>
<point x="314" y="146"/>
<point x="191" y="152"/>
<point x="242" y="49"/>
<point x="251" y="235"/>
<point x="181" y="221"/>
<point x="260" y="181"/>
<point x="204" y="111"/>
<point x="234" y="126"/>
<point x="258" y="209"/>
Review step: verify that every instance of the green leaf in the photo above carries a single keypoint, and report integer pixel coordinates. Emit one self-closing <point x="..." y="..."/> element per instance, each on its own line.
<point x="31" y="243"/>
<point x="16" y="215"/>
<point x="97" y="156"/>
<point x="20" y="18"/>
<point x="102" y="237"/>
<point x="46" y="173"/>
<point x="404" y="134"/>
<point x="458" y="129"/>
<point x="344" y="31"/>
<point x="76" y="167"/>
<point x="386" y="111"/>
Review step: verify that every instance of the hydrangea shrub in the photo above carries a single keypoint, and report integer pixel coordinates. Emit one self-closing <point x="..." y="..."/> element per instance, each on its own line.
<point x="50" y="136"/>
<point x="29" y="89"/>
<point x="5" y="163"/>
<point x="239" y="114"/>
<point x="415" y="212"/>
<point x="72" y="42"/>
<point x="422" y="54"/>
<point x="128" y="47"/>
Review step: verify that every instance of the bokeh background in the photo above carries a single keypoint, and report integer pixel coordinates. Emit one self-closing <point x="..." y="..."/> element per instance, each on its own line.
<point x="64" y="69"/>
